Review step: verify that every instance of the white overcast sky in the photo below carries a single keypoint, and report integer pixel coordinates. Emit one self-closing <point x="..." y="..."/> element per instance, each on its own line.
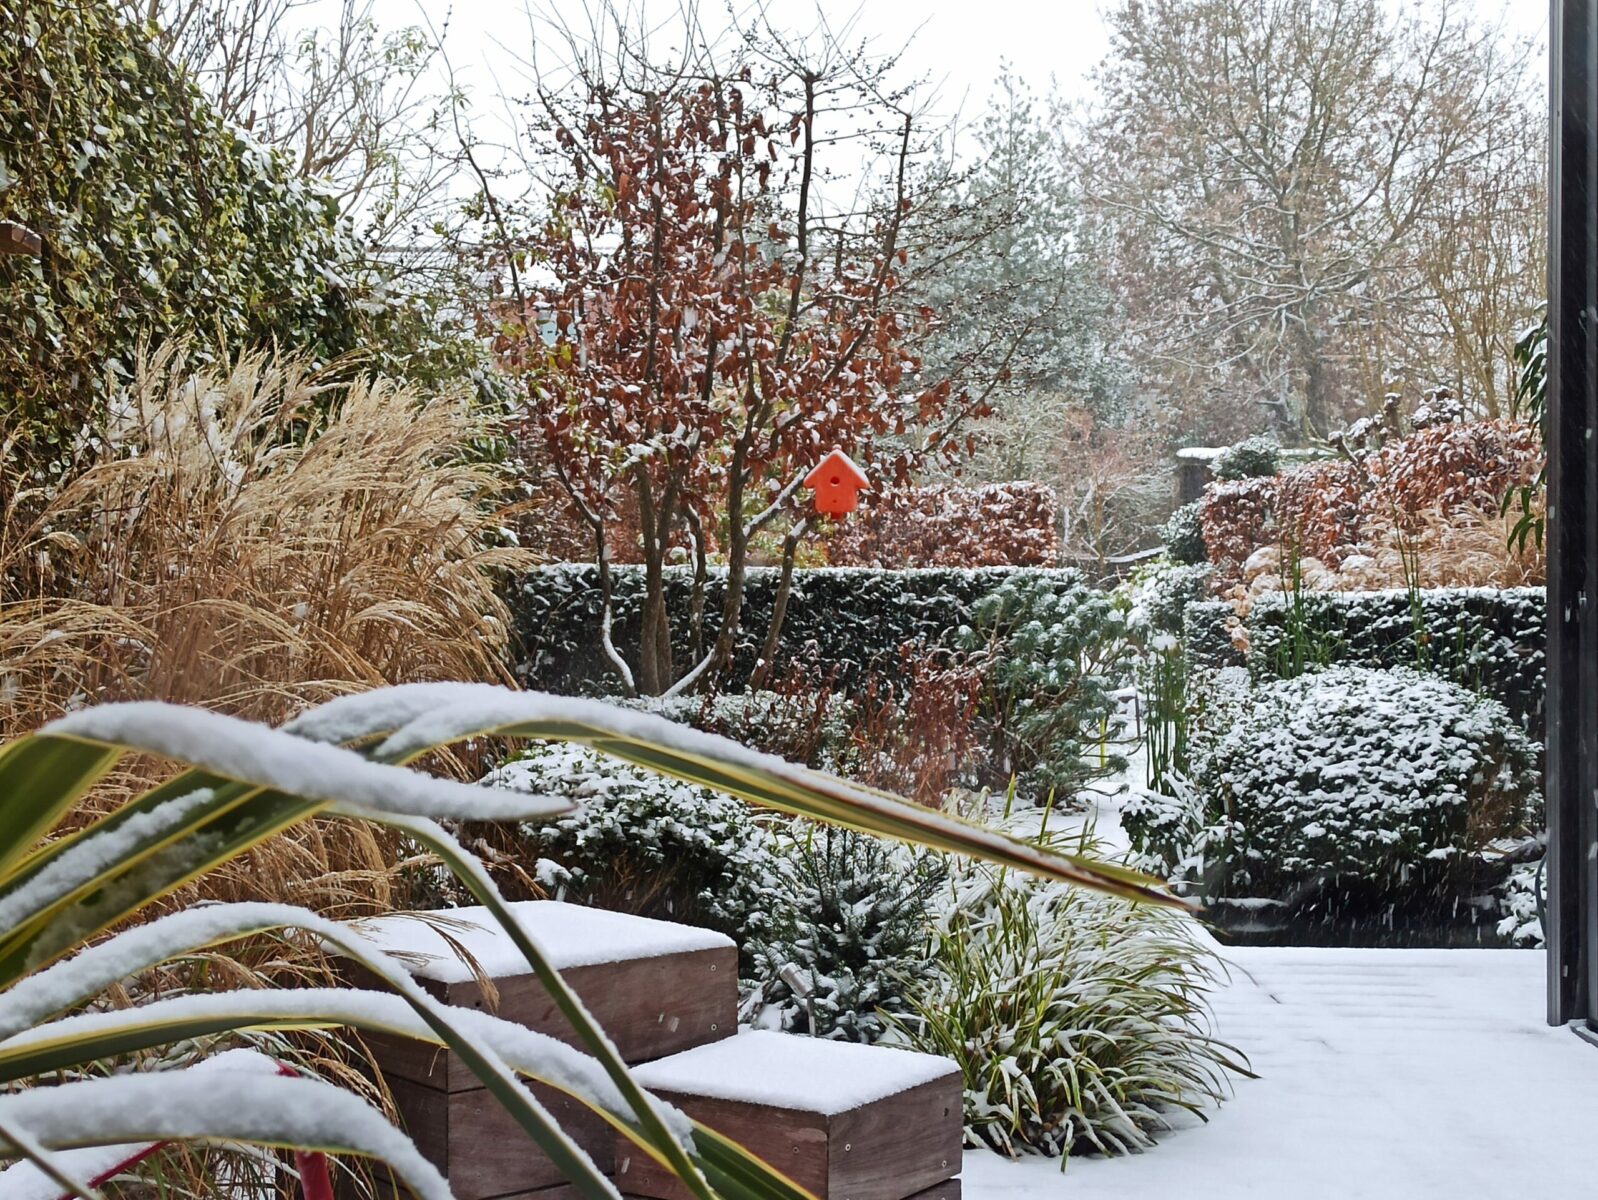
<point x="957" y="44"/>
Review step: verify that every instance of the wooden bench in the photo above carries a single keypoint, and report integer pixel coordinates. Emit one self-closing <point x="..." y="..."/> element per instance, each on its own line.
<point x="655" y="987"/>
<point x="847" y="1122"/>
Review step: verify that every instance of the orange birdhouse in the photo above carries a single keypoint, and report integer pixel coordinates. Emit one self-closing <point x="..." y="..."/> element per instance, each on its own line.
<point x="837" y="482"/>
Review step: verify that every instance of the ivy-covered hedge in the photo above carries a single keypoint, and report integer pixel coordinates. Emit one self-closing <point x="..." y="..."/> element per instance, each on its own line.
<point x="1488" y="640"/>
<point x="849" y="619"/>
<point x="158" y="219"/>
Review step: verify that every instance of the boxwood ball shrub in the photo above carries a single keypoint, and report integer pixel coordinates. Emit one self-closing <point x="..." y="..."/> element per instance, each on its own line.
<point x="1372" y="780"/>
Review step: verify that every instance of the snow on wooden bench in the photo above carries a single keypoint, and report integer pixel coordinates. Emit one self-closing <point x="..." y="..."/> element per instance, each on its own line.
<point x="656" y="987"/>
<point x="846" y="1121"/>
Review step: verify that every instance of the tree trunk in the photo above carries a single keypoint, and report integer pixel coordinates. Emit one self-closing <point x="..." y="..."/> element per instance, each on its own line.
<point x="654" y="650"/>
<point x="737" y="569"/>
<point x="779" y="608"/>
<point x="696" y="604"/>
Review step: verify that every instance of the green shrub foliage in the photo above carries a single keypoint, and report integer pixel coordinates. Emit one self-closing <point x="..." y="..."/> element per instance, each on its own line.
<point x="1159" y="596"/>
<point x="1078" y="1022"/>
<point x="1207" y="637"/>
<point x="848" y="912"/>
<point x="646" y="844"/>
<point x="160" y="219"/>
<point x="1489" y="640"/>
<point x="856" y="930"/>
<point x="1056" y="650"/>
<point x="1184" y="534"/>
<point x="1253" y="458"/>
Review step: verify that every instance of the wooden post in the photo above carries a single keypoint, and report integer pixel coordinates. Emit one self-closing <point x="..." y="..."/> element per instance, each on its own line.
<point x="19" y="239"/>
<point x="1571" y="924"/>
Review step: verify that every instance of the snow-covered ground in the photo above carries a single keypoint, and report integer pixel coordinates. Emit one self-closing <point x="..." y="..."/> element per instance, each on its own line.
<point x="1383" y="1073"/>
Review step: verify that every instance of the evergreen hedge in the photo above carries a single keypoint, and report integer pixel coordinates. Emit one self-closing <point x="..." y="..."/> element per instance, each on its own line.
<point x="1489" y="640"/>
<point x="851" y="620"/>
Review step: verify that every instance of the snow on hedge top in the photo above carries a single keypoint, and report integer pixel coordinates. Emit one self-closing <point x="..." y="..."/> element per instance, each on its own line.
<point x="569" y="934"/>
<point x="784" y="1070"/>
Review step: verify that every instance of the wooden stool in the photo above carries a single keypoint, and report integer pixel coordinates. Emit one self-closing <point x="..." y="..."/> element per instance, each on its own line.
<point x="655" y="987"/>
<point x="847" y="1122"/>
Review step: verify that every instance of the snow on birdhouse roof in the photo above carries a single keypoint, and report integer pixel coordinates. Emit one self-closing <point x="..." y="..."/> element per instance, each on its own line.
<point x="569" y="934"/>
<point x="786" y="1070"/>
<point x="837" y="460"/>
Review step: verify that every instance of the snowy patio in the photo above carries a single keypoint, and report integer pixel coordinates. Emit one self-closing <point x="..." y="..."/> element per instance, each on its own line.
<point x="1383" y="1073"/>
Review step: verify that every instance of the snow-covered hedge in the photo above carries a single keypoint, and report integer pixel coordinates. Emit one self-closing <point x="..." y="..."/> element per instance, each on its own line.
<point x="849" y="619"/>
<point x="944" y="524"/>
<point x="1487" y="639"/>
<point x="1351" y="779"/>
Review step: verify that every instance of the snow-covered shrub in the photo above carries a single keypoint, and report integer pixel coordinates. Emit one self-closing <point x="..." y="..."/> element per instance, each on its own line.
<point x="1168" y="822"/>
<point x="947" y="525"/>
<point x="1520" y="899"/>
<point x="1184" y="534"/>
<point x="856" y="920"/>
<point x="1079" y="1021"/>
<point x="1210" y="635"/>
<point x="1159" y="595"/>
<point x="1488" y="639"/>
<point x="1057" y="650"/>
<point x="1364" y="778"/>
<point x="844" y="623"/>
<point x="646" y="843"/>
<point x="848" y="911"/>
<point x="1255" y="457"/>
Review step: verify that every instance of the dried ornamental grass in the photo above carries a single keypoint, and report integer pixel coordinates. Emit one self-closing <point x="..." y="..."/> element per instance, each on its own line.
<point x="256" y="539"/>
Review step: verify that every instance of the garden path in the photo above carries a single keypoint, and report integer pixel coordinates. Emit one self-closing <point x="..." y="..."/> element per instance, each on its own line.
<point x="1410" y="1074"/>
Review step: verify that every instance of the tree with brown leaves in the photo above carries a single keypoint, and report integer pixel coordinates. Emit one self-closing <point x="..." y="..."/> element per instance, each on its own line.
<point x="698" y="326"/>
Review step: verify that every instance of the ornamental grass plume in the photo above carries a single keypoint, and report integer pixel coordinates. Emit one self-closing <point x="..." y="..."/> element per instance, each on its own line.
<point x="256" y="538"/>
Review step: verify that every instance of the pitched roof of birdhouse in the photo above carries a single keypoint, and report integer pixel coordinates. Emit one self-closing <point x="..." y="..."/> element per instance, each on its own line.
<point x="837" y="461"/>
